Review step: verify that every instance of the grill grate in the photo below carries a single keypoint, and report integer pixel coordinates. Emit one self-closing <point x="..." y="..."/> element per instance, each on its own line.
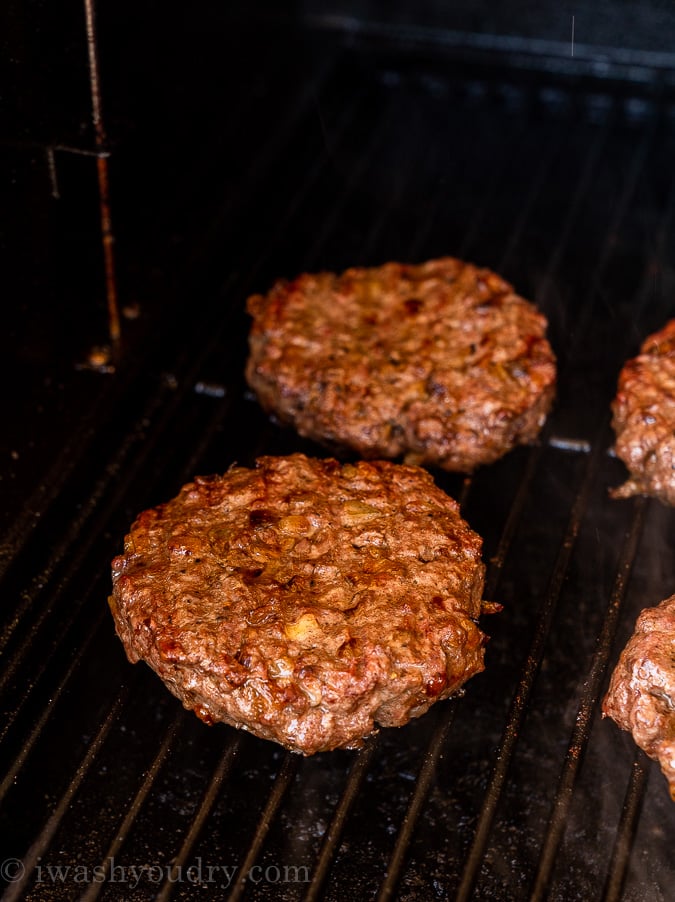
<point x="517" y="790"/>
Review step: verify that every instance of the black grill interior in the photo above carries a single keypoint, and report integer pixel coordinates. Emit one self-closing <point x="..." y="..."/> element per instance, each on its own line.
<point x="237" y="155"/>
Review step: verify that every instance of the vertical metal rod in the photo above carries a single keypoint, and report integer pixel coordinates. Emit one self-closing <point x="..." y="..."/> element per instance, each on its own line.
<point x="94" y="890"/>
<point x="34" y="854"/>
<point x="397" y="859"/>
<point x="630" y="816"/>
<point x="103" y="177"/>
<point x="530" y="670"/>
<point x="591" y="688"/>
<point x="331" y="840"/>
<point x="423" y="786"/>
<point x="283" y="780"/>
<point x="517" y="712"/>
<point x="55" y="694"/>
<point x="584" y="719"/>
<point x="210" y="796"/>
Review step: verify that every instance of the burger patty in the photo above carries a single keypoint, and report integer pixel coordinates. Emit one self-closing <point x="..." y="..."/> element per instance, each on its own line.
<point x="304" y="600"/>
<point x="641" y="696"/>
<point x="644" y="418"/>
<point x="439" y="362"/>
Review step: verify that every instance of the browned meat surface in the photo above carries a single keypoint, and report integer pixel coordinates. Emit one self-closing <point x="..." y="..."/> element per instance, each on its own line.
<point x="439" y="362"/>
<point x="303" y="600"/>
<point x="644" y="418"/>
<point x="641" y="696"/>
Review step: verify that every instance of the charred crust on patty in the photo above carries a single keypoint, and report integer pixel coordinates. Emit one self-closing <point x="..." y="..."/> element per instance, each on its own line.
<point x="440" y="363"/>
<point x="644" y="418"/>
<point x="305" y="601"/>
<point x="641" y="694"/>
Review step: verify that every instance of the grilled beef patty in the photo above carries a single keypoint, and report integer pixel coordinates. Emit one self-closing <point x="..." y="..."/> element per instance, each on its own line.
<point x="304" y="600"/>
<point x="644" y="418"/>
<point x="440" y="362"/>
<point x="641" y="696"/>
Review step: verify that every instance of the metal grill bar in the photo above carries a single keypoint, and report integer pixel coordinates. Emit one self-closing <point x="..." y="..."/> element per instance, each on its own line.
<point x="220" y="771"/>
<point x="591" y="690"/>
<point x="101" y="516"/>
<point x="330" y="843"/>
<point x="359" y="769"/>
<point x="426" y="774"/>
<point x="329" y="223"/>
<point x="290" y="764"/>
<point x="515" y="512"/>
<point x="435" y="746"/>
<point x="45" y="837"/>
<point x="396" y="863"/>
<point x="41" y="844"/>
<point x="47" y="712"/>
<point x="206" y="434"/>
<point x="536" y="185"/>
<point x="586" y="711"/>
<point x="74" y="610"/>
<point x="286" y="774"/>
<point x="627" y="829"/>
<point x="519" y="705"/>
<point x="433" y="752"/>
<point x="301" y="193"/>
<point x="521" y="698"/>
<point x="51" y="487"/>
<point x="138" y="800"/>
<point x="608" y="246"/>
<point x="573" y="210"/>
<point x="65" y="468"/>
<point x="275" y="797"/>
<point x="94" y="889"/>
<point x="271" y="150"/>
<point x="76" y="536"/>
<point x="113" y="391"/>
<point x="422" y="236"/>
<point x="394" y="868"/>
<point x="422" y="787"/>
<point x="61" y="567"/>
<point x="210" y="796"/>
<point x="129" y="443"/>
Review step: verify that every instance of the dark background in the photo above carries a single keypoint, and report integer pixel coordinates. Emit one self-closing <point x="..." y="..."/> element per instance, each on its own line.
<point x="189" y="97"/>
